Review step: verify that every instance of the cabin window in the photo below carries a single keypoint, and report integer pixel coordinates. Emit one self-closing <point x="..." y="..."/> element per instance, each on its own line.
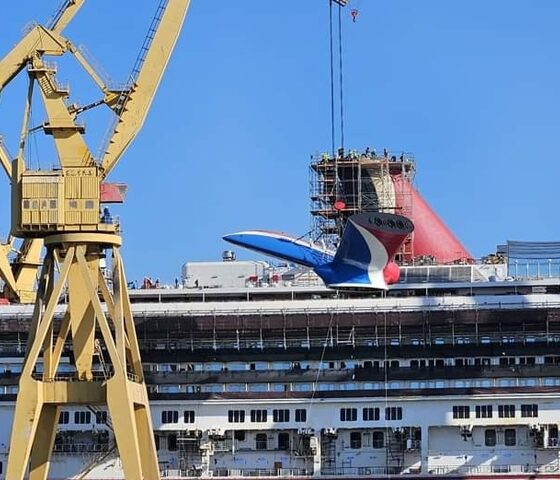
<point x="461" y="411"/>
<point x="393" y="413"/>
<point x="235" y="387"/>
<point x="531" y="410"/>
<point x="213" y="388"/>
<point x="188" y="416"/>
<point x="213" y="367"/>
<point x="370" y="414"/>
<point x="510" y="437"/>
<point x="101" y="417"/>
<point x="281" y="415"/>
<point x="236" y="416"/>
<point x="283" y="441"/>
<point x="258" y="387"/>
<point x="169" y="416"/>
<point x="239" y="435"/>
<point x="301" y="415"/>
<point x="506" y="411"/>
<point x="82" y="417"/>
<point x="483" y="411"/>
<point x="172" y="442"/>
<point x="490" y="438"/>
<point x="355" y="440"/>
<point x="555" y="360"/>
<point x="348" y="414"/>
<point x="64" y="418"/>
<point x="377" y="440"/>
<point x="507" y="382"/>
<point x="261" y="441"/>
<point x="258" y="416"/>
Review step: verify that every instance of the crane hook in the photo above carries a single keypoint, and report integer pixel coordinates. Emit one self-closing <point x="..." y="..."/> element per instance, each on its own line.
<point x="354" y="12"/>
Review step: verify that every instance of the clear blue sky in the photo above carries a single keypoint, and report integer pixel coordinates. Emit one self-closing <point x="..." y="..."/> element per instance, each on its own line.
<point x="471" y="87"/>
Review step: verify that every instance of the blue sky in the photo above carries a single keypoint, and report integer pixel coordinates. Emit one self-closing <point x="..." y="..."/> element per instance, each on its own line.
<point x="470" y="87"/>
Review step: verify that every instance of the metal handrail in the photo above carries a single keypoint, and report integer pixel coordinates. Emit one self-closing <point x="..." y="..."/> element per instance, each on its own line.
<point x="493" y="468"/>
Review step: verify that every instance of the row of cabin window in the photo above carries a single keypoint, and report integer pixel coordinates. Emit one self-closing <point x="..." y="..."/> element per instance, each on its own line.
<point x="491" y="438"/>
<point x="279" y="415"/>
<point x="261" y="440"/>
<point x="370" y="414"/>
<point x="82" y="417"/>
<point x="351" y="364"/>
<point x="350" y="386"/>
<point x="172" y="416"/>
<point x="238" y="416"/>
<point x="504" y="411"/>
<point x="377" y="440"/>
<point x="331" y="365"/>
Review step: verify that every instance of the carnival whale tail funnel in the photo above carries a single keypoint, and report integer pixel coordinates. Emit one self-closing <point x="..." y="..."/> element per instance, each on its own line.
<point x="364" y="258"/>
<point x="365" y="255"/>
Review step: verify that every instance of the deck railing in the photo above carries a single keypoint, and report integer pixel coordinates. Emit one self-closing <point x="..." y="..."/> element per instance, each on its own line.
<point x="494" y="468"/>
<point x="79" y="448"/>
<point x="260" y="472"/>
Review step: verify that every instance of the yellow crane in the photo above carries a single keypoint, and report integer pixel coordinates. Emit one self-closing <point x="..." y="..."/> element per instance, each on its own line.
<point x="61" y="207"/>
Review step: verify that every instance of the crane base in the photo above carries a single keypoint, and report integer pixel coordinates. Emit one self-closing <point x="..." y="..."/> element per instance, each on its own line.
<point x="119" y="384"/>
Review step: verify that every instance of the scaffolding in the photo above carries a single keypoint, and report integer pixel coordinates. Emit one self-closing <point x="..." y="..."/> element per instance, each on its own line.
<point x="349" y="183"/>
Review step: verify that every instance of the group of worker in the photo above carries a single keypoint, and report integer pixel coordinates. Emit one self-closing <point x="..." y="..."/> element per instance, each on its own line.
<point x="368" y="153"/>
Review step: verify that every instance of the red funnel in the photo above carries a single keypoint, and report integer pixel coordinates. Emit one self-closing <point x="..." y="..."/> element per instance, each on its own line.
<point x="431" y="235"/>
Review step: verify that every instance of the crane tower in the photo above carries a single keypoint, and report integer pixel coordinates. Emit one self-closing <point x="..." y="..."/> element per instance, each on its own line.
<point x="62" y="207"/>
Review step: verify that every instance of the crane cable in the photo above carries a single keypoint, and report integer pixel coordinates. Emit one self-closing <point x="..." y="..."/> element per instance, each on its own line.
<point x="340" y="76"/>
<point x="331" y="52"/>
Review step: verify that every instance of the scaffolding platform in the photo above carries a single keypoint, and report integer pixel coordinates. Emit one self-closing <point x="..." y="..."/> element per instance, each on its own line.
<point x="345" y="184"/>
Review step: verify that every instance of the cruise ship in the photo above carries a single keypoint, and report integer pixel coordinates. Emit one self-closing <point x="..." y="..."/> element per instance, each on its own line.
<point x="259" y="370"/>
<point x="256" y="370"/>
<point x="453" y="372"/>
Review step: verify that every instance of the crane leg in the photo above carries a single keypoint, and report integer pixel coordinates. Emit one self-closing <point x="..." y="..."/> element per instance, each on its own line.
<point x="40" y="399"/>
<point x="44" y="441"/>
<point x="26" y="420"/>
<point x="119" y="401"/>
<point x="150" y="466"/>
